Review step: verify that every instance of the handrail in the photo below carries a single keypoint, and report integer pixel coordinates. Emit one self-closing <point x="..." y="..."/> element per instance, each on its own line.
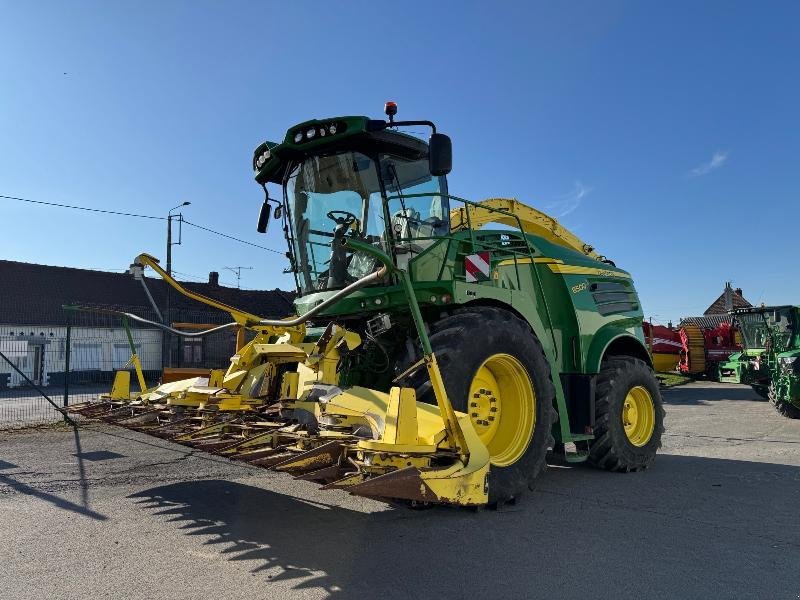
<point x="536" y="222"/>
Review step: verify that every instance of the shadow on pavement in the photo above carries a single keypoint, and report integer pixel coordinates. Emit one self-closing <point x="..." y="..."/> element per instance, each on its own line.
<point x="83" y="508"/>
<point x="689" y="527"/>
<point x="703" y="394"/>
<point x="24" y="488"/>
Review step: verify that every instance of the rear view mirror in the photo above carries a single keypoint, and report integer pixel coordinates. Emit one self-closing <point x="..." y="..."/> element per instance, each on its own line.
<point x="440" y="154"/>
<point x="263" y="217"/>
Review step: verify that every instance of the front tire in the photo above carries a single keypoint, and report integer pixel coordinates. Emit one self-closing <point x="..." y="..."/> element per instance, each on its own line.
<point x="784" y="407"/>
<point x="629" y="416"/>
<point x="495" y="370"/>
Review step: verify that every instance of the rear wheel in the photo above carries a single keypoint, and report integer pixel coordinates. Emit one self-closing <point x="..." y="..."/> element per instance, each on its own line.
<point x="784" y="407"/>
<point x="629" y="416"/>
<point x="495" y="370"/>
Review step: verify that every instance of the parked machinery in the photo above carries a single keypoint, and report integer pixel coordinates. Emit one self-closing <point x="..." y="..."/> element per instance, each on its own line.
<point x="704" y="348"/>
<point x="665" y="346"/>
<point x="435" y="359"/>
<point x="770" y="358"/>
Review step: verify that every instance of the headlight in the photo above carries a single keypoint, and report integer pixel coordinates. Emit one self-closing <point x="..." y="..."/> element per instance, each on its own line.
<point x="332" y="128"/>
<point x="298" y="137"/>
<point x="265" y="156"/>
<point x="311" y="133"/>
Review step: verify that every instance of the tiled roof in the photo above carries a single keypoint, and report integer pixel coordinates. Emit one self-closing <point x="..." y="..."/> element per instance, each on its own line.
<point x="718" y="306"/>
<point x="706" y="321"/>
<point x="35" y="294"/>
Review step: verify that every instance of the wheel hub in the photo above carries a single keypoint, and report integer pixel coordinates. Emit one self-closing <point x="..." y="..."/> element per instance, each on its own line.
<point x="638" y="416"/>
<point x="502" y="408"/>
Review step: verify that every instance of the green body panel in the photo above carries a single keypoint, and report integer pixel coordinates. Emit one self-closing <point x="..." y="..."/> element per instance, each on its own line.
<point x="786" y="377"/>
<point x="581" y="309"/>
<point x="559" y="307"/>
<point x="741" y="367"/>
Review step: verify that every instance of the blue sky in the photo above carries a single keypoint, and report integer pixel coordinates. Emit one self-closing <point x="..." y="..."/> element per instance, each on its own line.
<point x="666" y="134"/>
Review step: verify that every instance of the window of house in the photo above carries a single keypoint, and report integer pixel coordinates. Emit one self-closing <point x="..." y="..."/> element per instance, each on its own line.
<point x="192" y="351"/>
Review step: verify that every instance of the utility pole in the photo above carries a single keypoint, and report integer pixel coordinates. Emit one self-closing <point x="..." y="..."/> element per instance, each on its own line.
<point x="168" y="319"/>
<point x="238" y="271"/>
<point x="169" y="234"/>
<point x="169" y="244"/>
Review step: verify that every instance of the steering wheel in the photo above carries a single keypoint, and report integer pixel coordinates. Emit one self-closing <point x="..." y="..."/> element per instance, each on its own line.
<point x="342" y="217"/>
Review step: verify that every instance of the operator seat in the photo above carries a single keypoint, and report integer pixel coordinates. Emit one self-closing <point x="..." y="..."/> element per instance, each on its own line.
<point x="407" y="226"/>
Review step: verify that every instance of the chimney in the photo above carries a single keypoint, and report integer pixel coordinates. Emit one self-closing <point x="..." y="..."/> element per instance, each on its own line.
<point x="728" y="297"/>
<point x="213" y="278"/>
<point x="738" y="291"/>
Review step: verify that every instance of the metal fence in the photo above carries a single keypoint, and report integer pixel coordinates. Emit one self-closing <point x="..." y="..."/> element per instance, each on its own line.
<point x="76" y="360"/>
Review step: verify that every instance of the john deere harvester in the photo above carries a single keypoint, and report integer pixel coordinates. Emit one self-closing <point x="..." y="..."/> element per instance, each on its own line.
<point x="770" y="358"/>
<point x="442" y="347"/>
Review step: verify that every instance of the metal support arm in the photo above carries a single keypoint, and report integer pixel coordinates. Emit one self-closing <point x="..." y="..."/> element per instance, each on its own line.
<point x="451" y="424"/>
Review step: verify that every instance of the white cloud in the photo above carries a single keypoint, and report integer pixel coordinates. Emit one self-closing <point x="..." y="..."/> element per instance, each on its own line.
<point x="566" y="204"/>
<point x="717" y="160"/>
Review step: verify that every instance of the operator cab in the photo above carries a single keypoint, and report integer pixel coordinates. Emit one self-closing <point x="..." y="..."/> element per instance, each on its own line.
<point x="374" y="184"/>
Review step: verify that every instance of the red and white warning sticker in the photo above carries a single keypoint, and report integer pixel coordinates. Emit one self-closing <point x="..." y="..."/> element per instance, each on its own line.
<point x="477" y="267"/>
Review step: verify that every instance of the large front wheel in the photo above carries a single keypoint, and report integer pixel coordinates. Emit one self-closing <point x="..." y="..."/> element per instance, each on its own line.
<point x="495" y="370"/>
<point x="629" y="416"/>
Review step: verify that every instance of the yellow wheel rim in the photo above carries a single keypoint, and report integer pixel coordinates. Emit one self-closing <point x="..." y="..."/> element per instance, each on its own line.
<point x="639" y="416"/>
<point x="502" y="408"/>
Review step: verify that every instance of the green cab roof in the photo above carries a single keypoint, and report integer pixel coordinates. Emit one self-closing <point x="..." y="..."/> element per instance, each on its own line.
<point x="317" y="136"/>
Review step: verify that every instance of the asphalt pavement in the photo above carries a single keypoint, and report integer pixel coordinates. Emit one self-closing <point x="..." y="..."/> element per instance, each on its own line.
<point x="102" y="512"/>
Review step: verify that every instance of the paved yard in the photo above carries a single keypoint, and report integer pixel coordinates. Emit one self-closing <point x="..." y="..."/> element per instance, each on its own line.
<point x="107" y="513"/>
<point x="24" y="406"/>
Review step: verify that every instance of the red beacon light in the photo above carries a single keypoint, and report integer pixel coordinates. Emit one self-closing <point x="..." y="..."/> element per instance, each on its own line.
<point x="390" y="108"/>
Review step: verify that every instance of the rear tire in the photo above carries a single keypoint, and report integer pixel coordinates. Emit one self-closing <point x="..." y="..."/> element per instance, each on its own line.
<point x="482" y="348"/>
<point x="786" y="409"/>
<point x="629" y="416"/>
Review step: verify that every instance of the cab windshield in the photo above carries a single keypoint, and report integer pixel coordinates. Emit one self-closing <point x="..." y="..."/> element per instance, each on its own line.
<point x="762" y="329"/>
<point x="754" y="330"/>
<point x="340" y="194"/>
<point x="329" y="197"/>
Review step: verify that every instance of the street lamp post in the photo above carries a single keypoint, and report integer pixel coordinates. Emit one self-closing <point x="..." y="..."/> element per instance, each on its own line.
<point x="167" y="316"/>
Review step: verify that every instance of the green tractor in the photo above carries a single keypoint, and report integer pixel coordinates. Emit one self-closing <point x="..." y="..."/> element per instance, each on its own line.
<point x="443" y="347"/>
<point x="770" y="358"/>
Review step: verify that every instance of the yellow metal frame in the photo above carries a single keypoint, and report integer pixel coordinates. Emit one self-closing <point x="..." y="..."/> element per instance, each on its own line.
<point x="406" y="434"/>
<point x="533" y="221"/>
<point x="244" y="318"/>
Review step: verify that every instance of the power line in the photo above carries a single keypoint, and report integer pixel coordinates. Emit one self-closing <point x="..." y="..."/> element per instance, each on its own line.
<point x="114" y="212"/>
<point x="230" y="237"/>
<point x="98" y="210"/>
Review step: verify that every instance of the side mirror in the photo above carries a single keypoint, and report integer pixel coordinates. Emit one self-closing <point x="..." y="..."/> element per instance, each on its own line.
<point x="440" y="154"/>
<point x="263" y="217"/>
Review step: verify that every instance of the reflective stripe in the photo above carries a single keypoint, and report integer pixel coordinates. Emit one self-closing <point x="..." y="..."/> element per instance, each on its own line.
<point x="528" y="260"/>
<point x="580" y="270"/>
<point x="477" y="268"/>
